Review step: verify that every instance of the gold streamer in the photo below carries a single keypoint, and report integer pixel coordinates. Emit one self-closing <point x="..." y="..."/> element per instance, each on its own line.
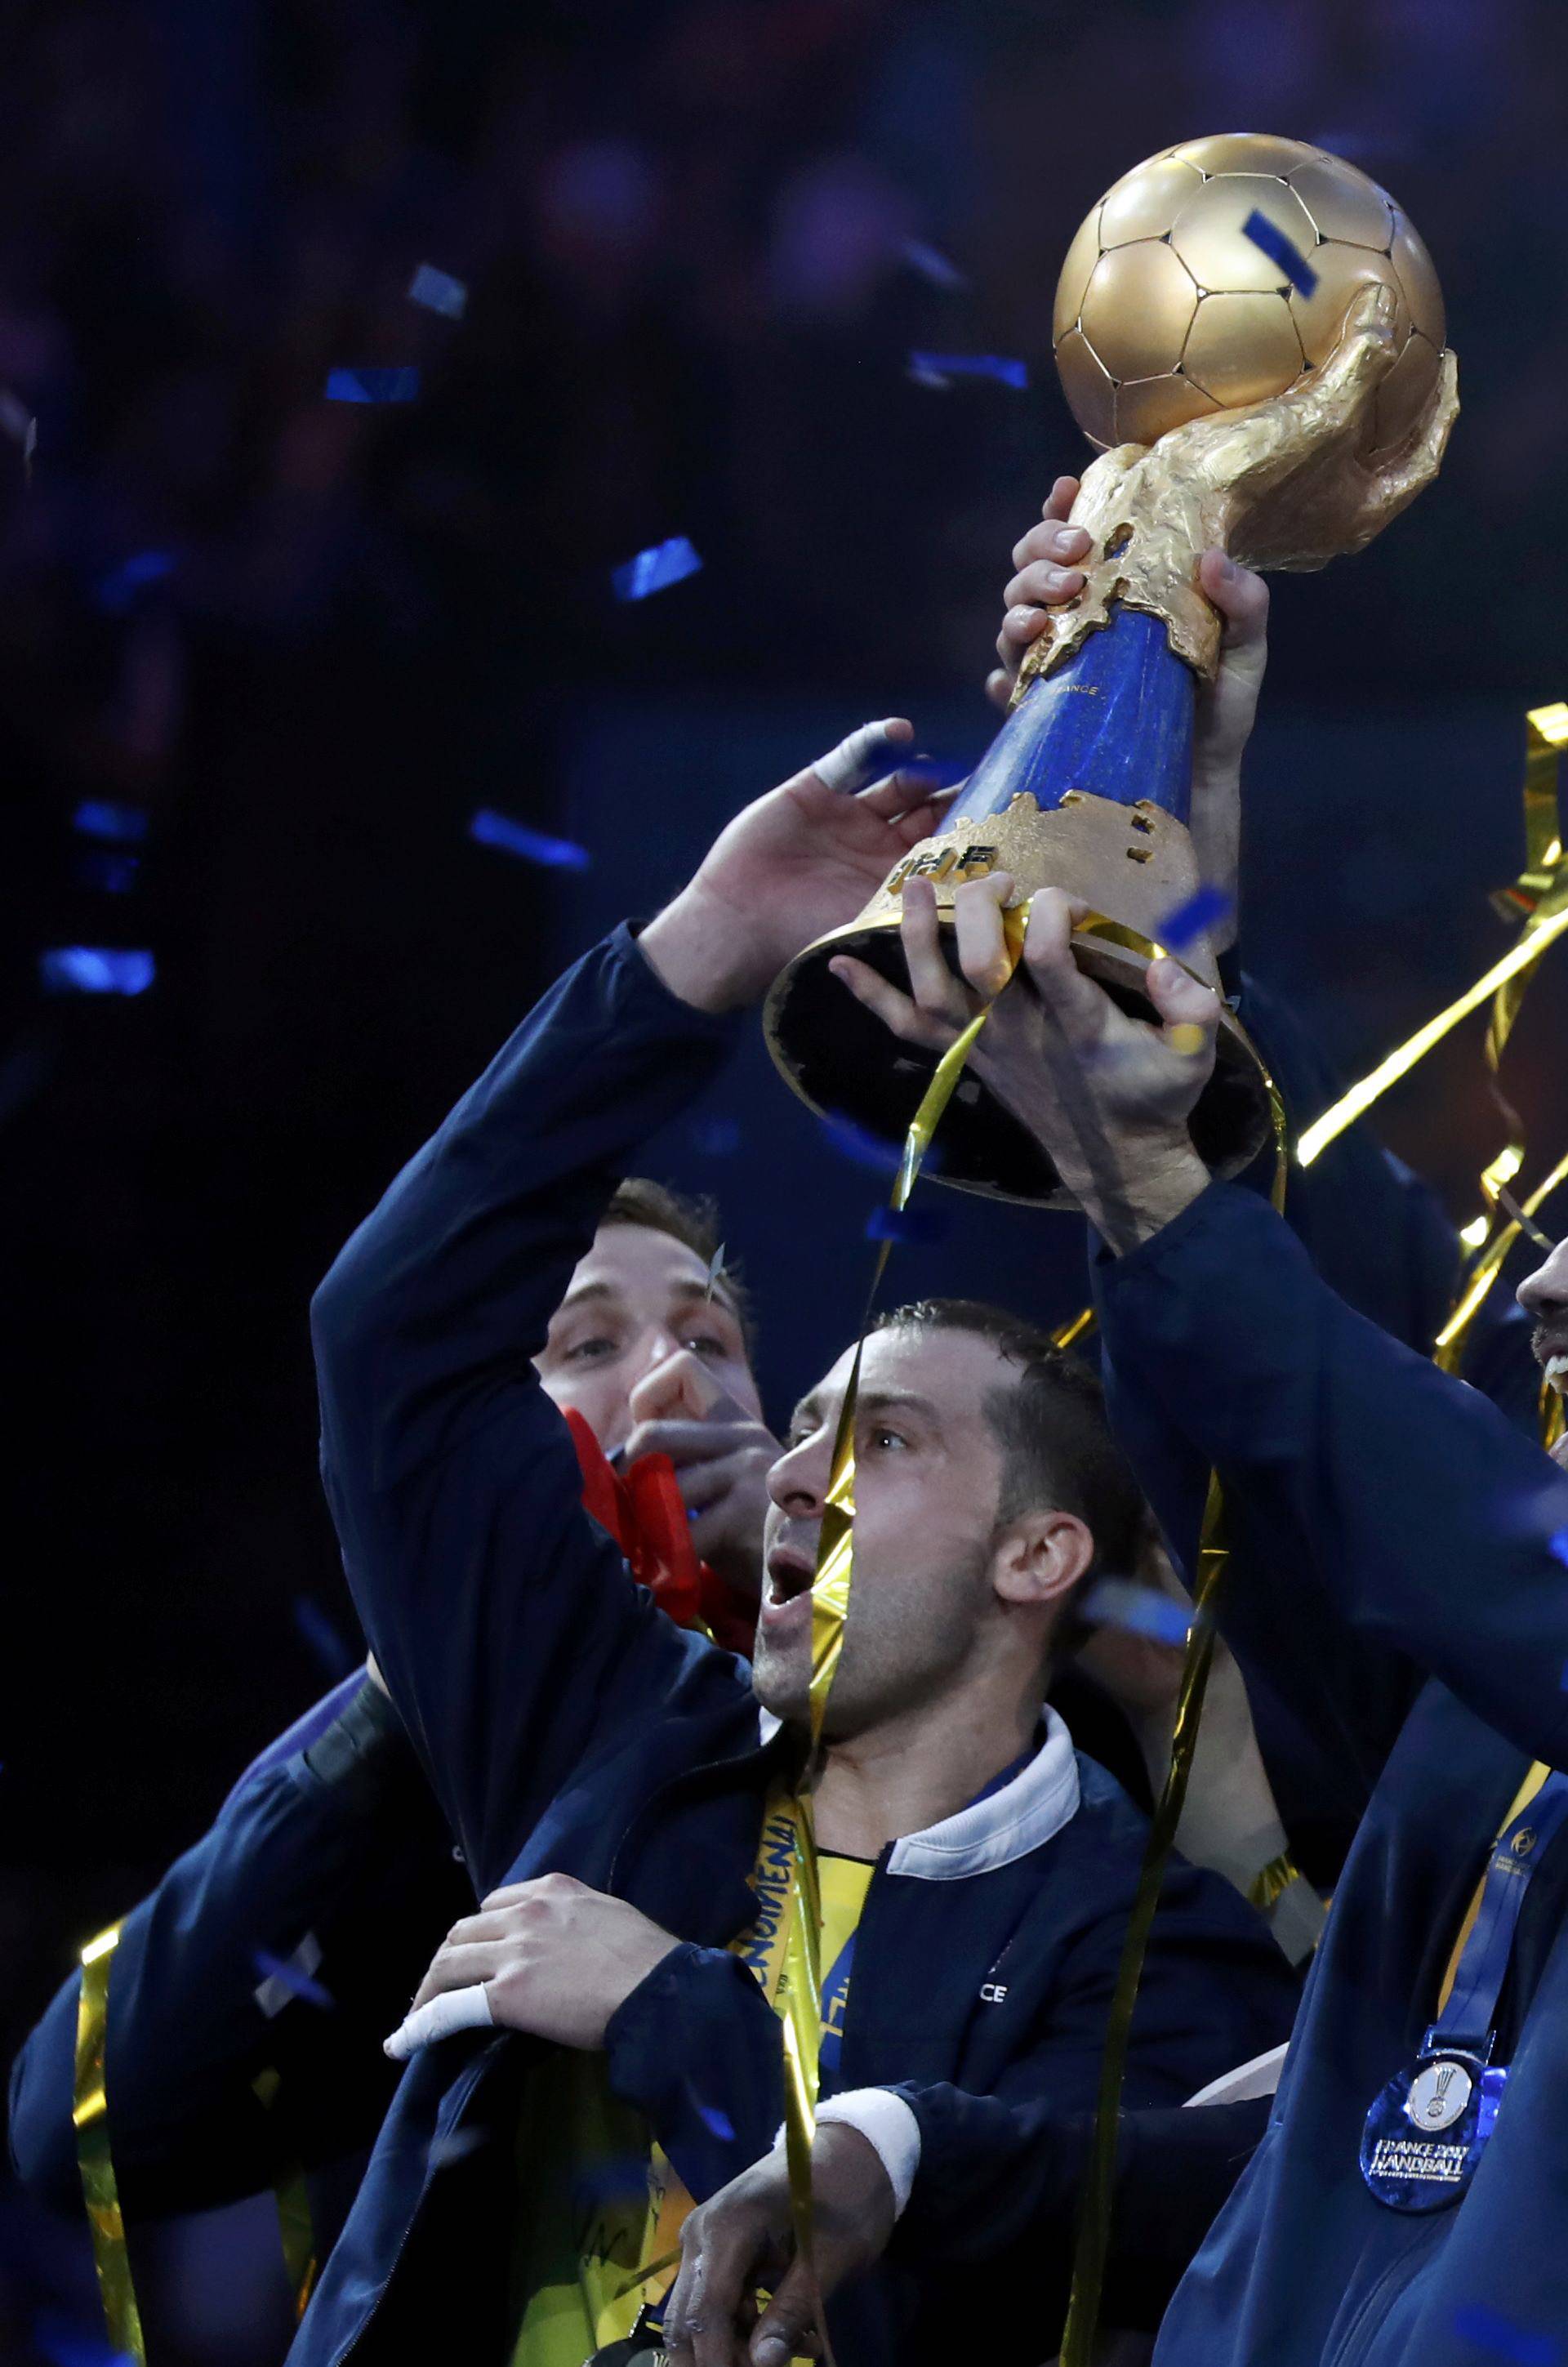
<point x="1094" y="2224"/>
<point x="1540" y="892"/>
<point x="90" y="2115"/>
<point x="802" y="1988"/>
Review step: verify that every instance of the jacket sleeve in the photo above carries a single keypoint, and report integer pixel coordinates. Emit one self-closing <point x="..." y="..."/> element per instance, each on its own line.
<point x="508" y="1630"/>
<point x="697" y="2048"/>
<point x="1215" y="1991"/>
<point x="1371" y="1489"/>
<point x="1377" y="1232"/>
<point x="1173" y="2170"/>
<point x="334" y="1868"/>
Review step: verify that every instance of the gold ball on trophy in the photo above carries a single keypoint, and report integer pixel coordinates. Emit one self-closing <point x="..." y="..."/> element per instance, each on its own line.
<point x="1168" y="307"/>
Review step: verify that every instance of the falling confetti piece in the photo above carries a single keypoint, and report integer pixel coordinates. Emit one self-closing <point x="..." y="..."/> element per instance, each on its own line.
<point x="716" y="1267"/>
<point x="438" y="292"/>
<point x="122" y="825"/>
<point x="115" y="592"/>
<point x="932" y="264"/>
<point x="1192" y="918"/>
<point x="96" y="970"/>
<point x="655" y="570"/>
<point x="1141" y="1610"/>
<point x="863" y="1150"/>
<point x="937" y="370"/>
<point x="492" y="829"/>
<point x="286" y="1976"/>
<point x="373" y="385"/>
<point x="1187" y="1038"/>
<point x="915" y="1225"/>
<point x="718" y="2123"/>
<point x="1270" y="240"/>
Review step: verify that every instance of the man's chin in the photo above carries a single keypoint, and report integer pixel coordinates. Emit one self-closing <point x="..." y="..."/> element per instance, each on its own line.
<point x="781" y="1686"/>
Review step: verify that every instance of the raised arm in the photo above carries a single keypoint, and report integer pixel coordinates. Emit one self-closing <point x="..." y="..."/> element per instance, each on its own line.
<point x="1408" y="1502"/>
<point x="502" y="1621"/>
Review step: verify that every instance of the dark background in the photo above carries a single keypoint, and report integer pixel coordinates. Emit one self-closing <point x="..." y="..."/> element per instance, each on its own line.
<point x="684" y="229"/>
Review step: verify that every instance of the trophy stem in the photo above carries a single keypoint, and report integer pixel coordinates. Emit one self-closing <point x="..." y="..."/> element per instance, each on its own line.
<point x="1114" y="721"/>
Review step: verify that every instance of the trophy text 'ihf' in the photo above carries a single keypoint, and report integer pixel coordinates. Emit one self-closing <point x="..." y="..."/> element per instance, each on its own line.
<point x="1252" y="333"/>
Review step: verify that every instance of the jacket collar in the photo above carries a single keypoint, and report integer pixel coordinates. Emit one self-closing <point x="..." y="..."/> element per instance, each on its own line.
<point x="994" y="1831"/>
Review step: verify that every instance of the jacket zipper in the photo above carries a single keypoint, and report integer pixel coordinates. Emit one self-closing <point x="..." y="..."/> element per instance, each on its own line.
<point x="1368" y="2323"/>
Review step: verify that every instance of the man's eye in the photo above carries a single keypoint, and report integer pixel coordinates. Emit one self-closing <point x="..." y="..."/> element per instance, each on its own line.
<point x="885" y="1440"/>
<point x="591" y="1351"/>
<point x="707" y="1344"/>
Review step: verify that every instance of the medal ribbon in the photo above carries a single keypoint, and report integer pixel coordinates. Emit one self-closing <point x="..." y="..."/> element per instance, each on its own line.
<point x="1468" y="2010"/>
<point x="90" y="2114"/>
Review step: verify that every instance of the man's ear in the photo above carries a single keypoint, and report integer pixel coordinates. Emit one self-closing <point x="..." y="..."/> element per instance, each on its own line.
<point x="1040" y="1558"/>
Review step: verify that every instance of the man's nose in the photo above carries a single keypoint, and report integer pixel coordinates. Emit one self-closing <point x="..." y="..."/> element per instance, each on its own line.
<point x="797" y="1482"/>
<point x="1544" y="1292"/>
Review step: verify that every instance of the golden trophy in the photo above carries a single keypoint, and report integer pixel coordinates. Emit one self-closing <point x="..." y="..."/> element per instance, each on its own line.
<point x="1252" y="333"/>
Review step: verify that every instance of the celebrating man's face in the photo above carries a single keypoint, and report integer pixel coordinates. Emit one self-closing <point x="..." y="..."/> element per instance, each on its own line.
<point x="655" y="1362"/>
<point x="937" y="1576"/>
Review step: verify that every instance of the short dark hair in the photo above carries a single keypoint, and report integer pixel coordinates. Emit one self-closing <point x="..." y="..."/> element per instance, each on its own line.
<point x="1051" y="1426"/>
<point x="638" y="1200"/>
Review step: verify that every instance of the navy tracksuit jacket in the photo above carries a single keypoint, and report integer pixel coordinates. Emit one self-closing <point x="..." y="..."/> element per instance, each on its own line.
<point x="1377" y="1506"/>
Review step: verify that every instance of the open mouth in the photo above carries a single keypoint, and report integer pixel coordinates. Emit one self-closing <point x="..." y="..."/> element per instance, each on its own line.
<point x="789" y="1577"/>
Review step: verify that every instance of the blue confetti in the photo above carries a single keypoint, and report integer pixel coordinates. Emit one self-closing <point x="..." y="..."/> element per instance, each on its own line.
<point x="317" y="1632"/>
<point x="96" y="970"/>
<point x="116" y="591"/>
<point x="294" y="1977"/>
<point x="1489" y="2330"/>
<point x="718" y="2123"/>
<point x="373" y="385"/>
<point x="916" y="1224"/>
<point x="932" y="264"/>
<point x="492" y="829"/>
<point x="1141" y="1610"/>
<point x="1557" y="1545"/>
<point x="438" y="292"/>
<point x="122" y="825"/>
<point x="1270" y="240"/>
<point x="115" y="875"/>
<point x="655" y="570"/>
<point x="1194" y="918"/>
<point x="936" y="369"/>
<point x="717" y="1137"/>
<point x="862" y="1148"/>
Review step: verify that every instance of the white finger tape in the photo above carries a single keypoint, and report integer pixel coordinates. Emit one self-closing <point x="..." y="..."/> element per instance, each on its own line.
<point x="453" y="2010"/>
<point x="854" y="761"/>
